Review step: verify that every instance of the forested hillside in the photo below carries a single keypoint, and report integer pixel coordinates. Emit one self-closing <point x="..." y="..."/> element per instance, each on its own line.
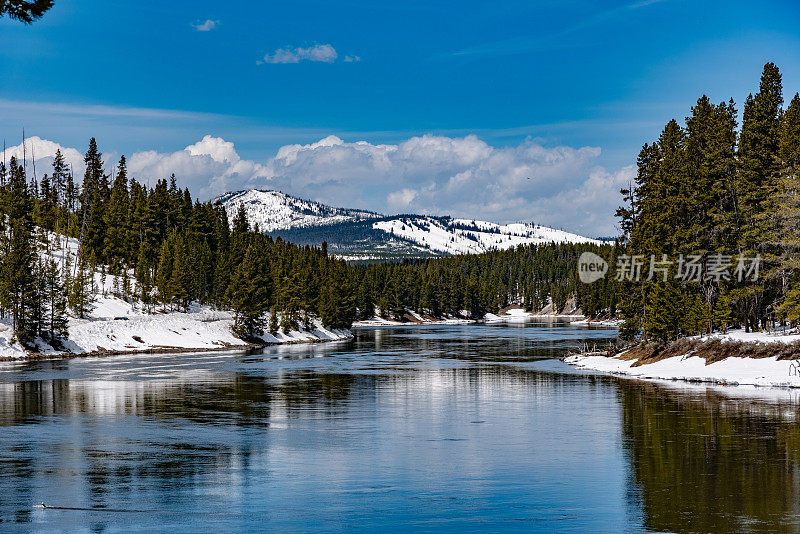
<point x="725" y="198"/>
<point x="168" y="251"/>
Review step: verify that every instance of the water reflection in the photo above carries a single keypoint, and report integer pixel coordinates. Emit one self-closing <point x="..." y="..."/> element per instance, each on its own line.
<point x="387" y="431"/>
<point x="430" y="428"/>
<point x="706" y="462"/>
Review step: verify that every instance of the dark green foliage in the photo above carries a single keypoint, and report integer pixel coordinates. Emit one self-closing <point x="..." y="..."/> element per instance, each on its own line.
<point x="705" y="190"/>
<point x="25" y="10"/>
<point x="54" y="297"/>
<point x="18" y="295"/>
<point x="662" y="312"/>
<point x="115" y="246"/>
<point x="251" y="292"/>
<point x="80" y="294"/>
<point x="480" y="283"/>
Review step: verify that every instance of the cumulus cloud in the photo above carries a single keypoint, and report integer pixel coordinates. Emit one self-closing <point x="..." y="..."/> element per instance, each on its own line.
<point x="461" y="176"/>
<point x="44" y="151"/>
<point x="206" y="26"/>
<point x="323" y="53"/>
<point x="208" y="168"/>
<point x="400" y="200"/>
<point x="466" y="177"/>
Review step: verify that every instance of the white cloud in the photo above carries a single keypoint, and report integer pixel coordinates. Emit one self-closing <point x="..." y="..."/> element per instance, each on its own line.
<point x="208" y="168"/>
<point x="324" y="53"/>
<point x="400" y="200"/>
<point x="460" y="176"/>
<point x="44" y="151"/>
<point x="206" y="26"/>
<point x="352" y="59"/>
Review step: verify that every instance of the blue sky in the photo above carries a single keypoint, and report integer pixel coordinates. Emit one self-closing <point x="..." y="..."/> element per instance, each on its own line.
<point x="534" y="81"/>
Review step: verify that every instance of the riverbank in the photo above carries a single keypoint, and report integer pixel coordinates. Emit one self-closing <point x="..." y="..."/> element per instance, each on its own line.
<point x="509" y="315"/>
<point x="411" y="317"/>
<point x="200" y="330"/>
<point x="734" y="358"/>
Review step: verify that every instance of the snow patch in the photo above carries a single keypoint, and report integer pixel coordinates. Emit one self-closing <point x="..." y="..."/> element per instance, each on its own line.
<point x="273" y="210"/>
<point x="463" y="236"/>
<point x="733" y="371"/>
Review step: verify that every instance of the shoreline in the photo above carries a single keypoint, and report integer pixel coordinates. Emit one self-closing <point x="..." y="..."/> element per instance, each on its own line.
<point x="733" y="359"/>
<point x="175" y="332"/>
<point x="488" y="318"/>
<point x="38" y="356"/>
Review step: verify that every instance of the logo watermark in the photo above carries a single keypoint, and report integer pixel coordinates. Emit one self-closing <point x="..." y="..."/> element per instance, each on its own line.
<point x="687" y="268"/>
<point x="591" y="267"/>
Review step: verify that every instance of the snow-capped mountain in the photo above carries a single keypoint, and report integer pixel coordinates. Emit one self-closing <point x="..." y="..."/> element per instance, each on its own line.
<point x="360" y="234"/>
<point x="463" y="236"/>
<point x="273" y="210"/>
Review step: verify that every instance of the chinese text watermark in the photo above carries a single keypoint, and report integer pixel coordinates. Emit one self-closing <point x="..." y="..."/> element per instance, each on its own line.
<point x="714" y="267"/>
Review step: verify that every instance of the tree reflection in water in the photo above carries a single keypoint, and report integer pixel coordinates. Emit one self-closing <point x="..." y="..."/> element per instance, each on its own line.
<point x="705" y="462"/>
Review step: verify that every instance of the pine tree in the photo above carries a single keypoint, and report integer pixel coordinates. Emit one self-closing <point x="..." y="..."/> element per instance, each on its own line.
<point x="144" y="278"/>
<point x="26" y="11"/>
<point x="273" y="322"/>
<point x="786" y="198"/>
<point x="758" y="157"/>
<point x="721" y="313"/>
<point x="18" y="260"/>
<point x="116" y="248"/>
<point x="661" y="194"/>
<point x="94" y="195"/>
<point x="251" y="293"/>
<point x="182" y="279"/>
<point x="81" y="294"/>
<point x="287" y="325"/>
<point x="36" y="304"/>
<point x="662" y="312"/>
<point x="164" y="277"/>
<point x="56" y="303"/>
<point x="695" y="315"/>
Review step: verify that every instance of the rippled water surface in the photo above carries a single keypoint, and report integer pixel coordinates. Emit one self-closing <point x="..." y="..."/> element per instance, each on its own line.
<point x="459" y="428"/>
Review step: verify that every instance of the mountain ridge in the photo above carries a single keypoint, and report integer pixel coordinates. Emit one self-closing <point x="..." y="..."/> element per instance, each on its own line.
<point x="356" y="234"/>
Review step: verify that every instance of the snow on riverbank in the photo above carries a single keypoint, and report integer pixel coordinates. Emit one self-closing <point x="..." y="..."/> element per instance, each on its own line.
<point x="735" y="370"/>
<point x="776" y="336"/>
<point x="115" y="324"/>
<point x="201" y="329"/>
<point x="413" y="318"/>
<point x="513" y="315"/>
<point x="752" y="371"/>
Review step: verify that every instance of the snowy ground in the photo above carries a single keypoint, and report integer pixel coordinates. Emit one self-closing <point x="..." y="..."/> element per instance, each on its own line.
<point x="514" y="315"/>
<point x="418" y="319"/>
<point x="200" y="329"/>
<point x="733" y="370"/>
<point x="462" y="236"/>
<point x="597" y="322"/>
<point x="121" y="325"/>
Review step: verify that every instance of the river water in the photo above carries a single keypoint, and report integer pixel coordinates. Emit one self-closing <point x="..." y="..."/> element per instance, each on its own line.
<point x="430" y="428"/>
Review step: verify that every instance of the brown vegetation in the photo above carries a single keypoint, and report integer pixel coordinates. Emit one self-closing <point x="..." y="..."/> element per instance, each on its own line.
<point x="712" y="350"/>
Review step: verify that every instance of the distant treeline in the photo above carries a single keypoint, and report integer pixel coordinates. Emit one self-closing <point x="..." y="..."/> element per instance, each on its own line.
<point x="532" y="276"/>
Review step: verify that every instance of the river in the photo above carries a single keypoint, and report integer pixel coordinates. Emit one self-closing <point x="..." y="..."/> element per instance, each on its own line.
<point x="431" y="428"/>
